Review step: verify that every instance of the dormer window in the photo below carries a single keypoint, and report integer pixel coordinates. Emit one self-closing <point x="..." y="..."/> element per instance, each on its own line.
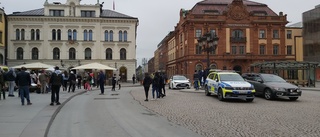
<point x="58" y="13"/>
<point x="259" y="13"/>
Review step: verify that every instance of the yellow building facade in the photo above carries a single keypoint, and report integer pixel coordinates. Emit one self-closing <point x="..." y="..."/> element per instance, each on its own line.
<point x="2" y="36"/>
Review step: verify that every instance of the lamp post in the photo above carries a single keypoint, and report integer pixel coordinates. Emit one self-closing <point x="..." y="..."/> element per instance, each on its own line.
<point x="209" y="43"/>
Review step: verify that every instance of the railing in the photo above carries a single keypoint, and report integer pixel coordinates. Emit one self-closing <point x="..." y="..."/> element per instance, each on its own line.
<point x="238" y="39"/>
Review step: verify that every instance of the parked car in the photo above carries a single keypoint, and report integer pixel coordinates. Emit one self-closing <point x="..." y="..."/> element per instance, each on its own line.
<point x="229" y="85"/>
<point x="271" y="86"/>
<point x="179" y="81"/>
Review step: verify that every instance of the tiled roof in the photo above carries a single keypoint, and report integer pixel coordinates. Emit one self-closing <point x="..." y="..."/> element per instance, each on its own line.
<point x="222" y="5"/>
<point x="40" y="12"/>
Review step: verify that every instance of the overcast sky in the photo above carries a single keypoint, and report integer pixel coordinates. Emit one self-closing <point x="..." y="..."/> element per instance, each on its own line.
<point x="158" y="17"/>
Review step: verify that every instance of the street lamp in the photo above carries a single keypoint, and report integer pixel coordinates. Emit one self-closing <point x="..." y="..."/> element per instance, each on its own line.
<point x="209" y="43"/>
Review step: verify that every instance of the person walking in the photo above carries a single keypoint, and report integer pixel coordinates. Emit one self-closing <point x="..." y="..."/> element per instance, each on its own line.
<point x="156" y="84"/>
<point x="196" y="80"/>
<point x="146" y="84"/>
<point x="65" y="80"/>
<point x="56" y="81"/>
<point x="79" y="80"/>
<point x="119" y="81"/>
<point x="10" y="76"/>
<point x="114" y="81"/>
<point x="134" y="78"/>
<point x="23" y="81"/>
<point x="43" y="82"/>
<point x="101" y="80"/>
<point x="72" y="80"/>
<point x="2" y="84"/>
<point x="162" y="85"/>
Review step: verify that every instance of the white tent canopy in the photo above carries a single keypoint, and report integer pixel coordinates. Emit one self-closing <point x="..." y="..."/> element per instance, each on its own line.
<point x="36" y="65"/>
<point x="94" y="65"/>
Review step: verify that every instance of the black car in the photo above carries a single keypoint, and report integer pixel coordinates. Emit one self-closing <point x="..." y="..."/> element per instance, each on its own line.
<point x="271" y="86"/>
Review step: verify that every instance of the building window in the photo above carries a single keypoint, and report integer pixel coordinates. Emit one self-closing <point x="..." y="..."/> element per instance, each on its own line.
<point x="262" y="34"/>
<point x="35" y="54"/>
<point x="237" y="34"/>
<point x="1" y="17"/>
<point x="233" y="49"/>
<point x="37" y="34"/>
<point x="72" y="54"/>
<point x="106" y="35"/>
<point x="111" y="35"/>
<point x="59" y="34"/>
<point x="85" y="35"/>
<point x="17" y="34"/>
<point x="213" y="32"/>
<point x="198" y="33"/>
<point x="72" y="35"/>
<point x="242" y="50"/>
<point x="56" y="53"/>
<point x="1" y="37"/>
<point x="22" y="34"/>
<point x="109" y="54"/>
<point x="125" y="36"/>
<point x="181" y="38"/>
<point x="289" y="50"/>
<point x="262" y="49"/>
<point x="33" y="34"/>
<point x="289" y="34"/>
<point x="198" y="49"/>
<point x="69" y="34"/>
<point x="58" y="13"/>
<point x="19" y="53"/>
<point x="123" y="54"/>
<point x="85" y="13"/>
<point x="120" y="35"/>
<point x="275" y="34"/>
<point x="275" y="49"/>
<point x="54" y="34"/>
<point x="87" y="54"/>
<point x="90" y="35"/>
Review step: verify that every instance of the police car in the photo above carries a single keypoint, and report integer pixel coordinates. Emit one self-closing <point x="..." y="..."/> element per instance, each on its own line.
<point x="228" y="85"/>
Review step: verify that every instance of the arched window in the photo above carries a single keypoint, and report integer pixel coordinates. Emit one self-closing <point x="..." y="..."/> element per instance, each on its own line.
<point x="19" y="53"/>
<point x="54" y="36"/>
<point x="198" y="49"/>
<point x="109" y="54"/>
<point x="87" y="54"/>
<point x="72" y="54"/>
<point x="125" y="36"/>
<point x="120" y="35"/>
<point x="37" y="34"/>
<point x="17" y="34"/>
<point x="69" y="34"/>
<point x="74" y="34"/>
<point x="56" y="53"/>
<point x="35" y="54"/>
<point x="33" y="34"/>
<point x="85" y="35"/>
<point x="59" y="34"/>
<point x="111" y="35"/>
<point x="213" y="66"/>
<point x="90" y="35"/>
<point x="22" y="34"/>
<point x="106" y="35"/>
<point x="237" y="34"/>
<point x="199" y="67"/>
<point x="123" y="54"/>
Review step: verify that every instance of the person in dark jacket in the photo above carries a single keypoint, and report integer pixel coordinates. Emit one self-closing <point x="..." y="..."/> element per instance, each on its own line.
<point x="56" y="81"/>
<point x="23" y="81"/>
<point x="146" y="84"/>
<point x="101" y="80"/>
<point x="114" y="82"/>
<point x="79" y="78"/>
<point x="2" y="84"/>
<point x="11" y="77"/>
<point x="196" y="80"/>
<point x="156" y="84"/>
<point x="72" y="81"/>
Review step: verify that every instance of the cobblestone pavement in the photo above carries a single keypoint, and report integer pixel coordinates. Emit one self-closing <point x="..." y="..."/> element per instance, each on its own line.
<point x="210" y="117"/>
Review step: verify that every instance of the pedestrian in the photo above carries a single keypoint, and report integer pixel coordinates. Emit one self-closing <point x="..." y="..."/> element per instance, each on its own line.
<point x="101" y="79"/>
<point x="88" y="82"/>
<point x="196" y="80"/>
<point x="23" y="81"/>
<point x="79" y="81"/>
<point x="146" y="84"/>
<point x="134" y="78"/>
<point x="119" y="81"/>
<point x="43" y="82"/>
<point x="156" y="84"/>
<point x="97" y="80"/>
<point x="72" y="80"/>
<point x="114" y="81"/>
<point x="2" y="84"/>
<point x="65" y="80"/>
<point x="162" y="85"/>
<point x="10" y="76"/>
<point x="56" y="81"/>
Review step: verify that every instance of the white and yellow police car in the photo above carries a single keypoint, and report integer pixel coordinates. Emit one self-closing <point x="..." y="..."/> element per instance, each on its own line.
<point x="228" y="85"/>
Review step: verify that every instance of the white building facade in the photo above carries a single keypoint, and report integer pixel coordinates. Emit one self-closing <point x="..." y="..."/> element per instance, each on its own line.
<point x="72" y="34"/>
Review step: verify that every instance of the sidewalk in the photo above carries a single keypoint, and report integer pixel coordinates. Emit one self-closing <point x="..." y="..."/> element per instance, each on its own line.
<point x="34" y="120"/>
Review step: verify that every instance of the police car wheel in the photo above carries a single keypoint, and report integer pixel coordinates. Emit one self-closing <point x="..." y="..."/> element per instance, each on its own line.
<point x="220" y="95"/>
<point x="207" y="91"/>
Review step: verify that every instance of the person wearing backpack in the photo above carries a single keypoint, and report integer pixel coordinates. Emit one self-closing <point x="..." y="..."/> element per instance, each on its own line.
<point x="56" y="82"/>
<point x="11" y="77"/>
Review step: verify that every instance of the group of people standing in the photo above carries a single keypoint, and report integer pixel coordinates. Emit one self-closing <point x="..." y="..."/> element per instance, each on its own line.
<point x="158" y="82"/>
<point x="199" y="78"/>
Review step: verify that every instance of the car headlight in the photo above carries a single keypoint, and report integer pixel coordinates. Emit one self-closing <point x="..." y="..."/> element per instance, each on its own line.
<point x="279" y="89"/>
<point x="229" y="88"/>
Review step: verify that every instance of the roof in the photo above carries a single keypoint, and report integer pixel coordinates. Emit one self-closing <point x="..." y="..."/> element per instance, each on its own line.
<point x="296" y="25"/>
<point x="222" y="5"/>
<point x="40" y="12"/>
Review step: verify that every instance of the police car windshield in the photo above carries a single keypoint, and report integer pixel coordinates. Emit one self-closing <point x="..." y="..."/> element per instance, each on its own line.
<point x="231" y="77"/>
<point x="179" y="78"/>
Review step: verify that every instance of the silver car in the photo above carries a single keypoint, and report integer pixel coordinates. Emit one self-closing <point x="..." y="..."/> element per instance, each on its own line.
<point x="179" y="81"/>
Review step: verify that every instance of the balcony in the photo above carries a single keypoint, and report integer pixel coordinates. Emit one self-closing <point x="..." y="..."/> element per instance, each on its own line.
<point x="238" y="39"/>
